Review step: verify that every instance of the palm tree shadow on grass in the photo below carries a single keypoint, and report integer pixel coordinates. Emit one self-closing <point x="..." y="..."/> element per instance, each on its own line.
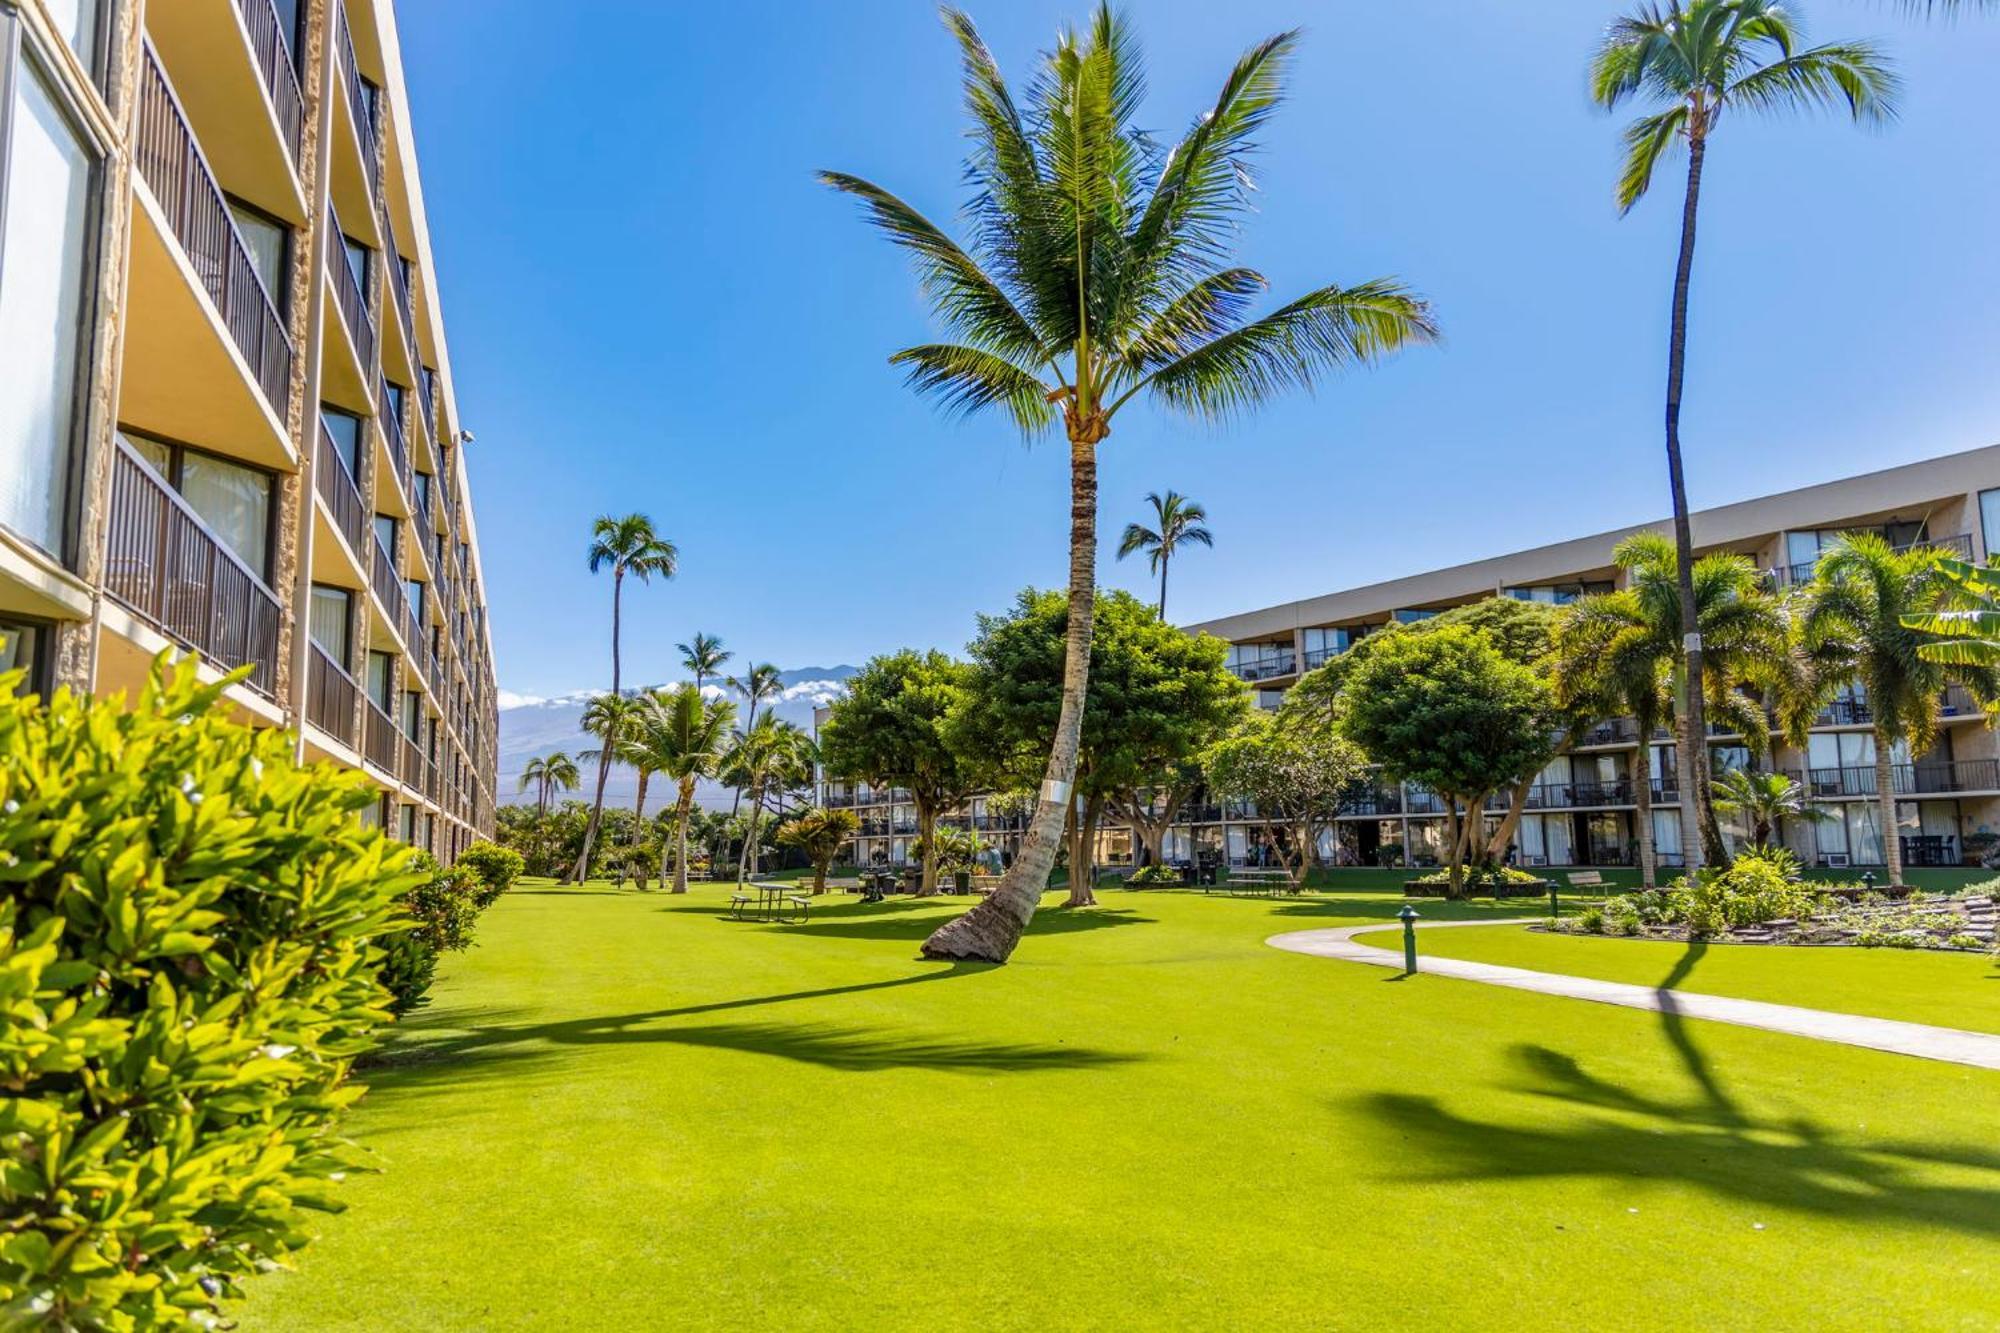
<point x="1709" y="1140"/>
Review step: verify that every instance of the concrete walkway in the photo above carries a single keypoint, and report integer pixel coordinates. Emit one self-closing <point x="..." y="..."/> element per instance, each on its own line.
<point x="1881" y="1034"/>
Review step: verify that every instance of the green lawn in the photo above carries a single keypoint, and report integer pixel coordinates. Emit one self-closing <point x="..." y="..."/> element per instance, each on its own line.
<point x="1957" y="990"/>
<point x="624" y="1111"/>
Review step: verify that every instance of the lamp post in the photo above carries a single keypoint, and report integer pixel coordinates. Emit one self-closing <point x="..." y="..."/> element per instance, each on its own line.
<point x="1409" y="918"/>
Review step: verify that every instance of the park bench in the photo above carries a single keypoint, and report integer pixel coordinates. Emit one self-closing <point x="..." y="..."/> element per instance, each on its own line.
<point x="1254" y="883"/>
<point x="983" y="884"/>
<point x="1585" y="879"/>
<point x="740" y="903"/>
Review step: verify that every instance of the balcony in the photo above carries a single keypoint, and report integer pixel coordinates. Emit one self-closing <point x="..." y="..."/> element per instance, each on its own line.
<point x="356" y="316"/>
<point x="380" y="736"/>
<point x="341" y="494"/>
<point x="162" y="562"/>
<point x="331" y="695"/>
<point x="392" y="436"/>
<point x="1845" y="712"/>
<point x="1267" y="668"/>
<point x="271" y="48"/>
<point x="388" y="588"/>
<point x="362" y="101"/>
<point x="399" y="285"/>
<point x="1369" y="802"/>
<point x="1940" y="777"/>
<point x="1615" y="731"/>
<point x="191" y="208"/>
<point x="1956" y="545"/>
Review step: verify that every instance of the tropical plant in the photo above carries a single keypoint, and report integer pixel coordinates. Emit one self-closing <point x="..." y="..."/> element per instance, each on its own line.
<point x="950" y="850"/>
<point x="758" y="683"/>
<point x="818" y="835"/>
<point x="1095" y="273"/>
<point x="627" y="545"/>
<point x="1293" y="769"/>
<point x="1696" y="60"/>
<point x="769" y="755"/>
<point x="1965" y="625"/>
<point x="705" y="656"/>
<point x="1853" y="631"/>
<point x="1618" y="654"/>
<point x="604" y="717"/>
<point x="443" y="907"/>
<point x="495" y="867"/>
<point x="1177" y="522"/>
<point x="189" y="966"/>
<point x="549" y="773"/>
<point x="683" y="733"/>
<point x="1763" y="802"/>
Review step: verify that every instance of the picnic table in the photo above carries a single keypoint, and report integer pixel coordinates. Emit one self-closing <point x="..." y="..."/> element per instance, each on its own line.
<point x="769" y="902"/>
<point x="1255" y="882"/>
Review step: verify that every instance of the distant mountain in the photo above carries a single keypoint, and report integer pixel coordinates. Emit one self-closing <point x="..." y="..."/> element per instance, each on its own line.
<point x="532" y="726"/>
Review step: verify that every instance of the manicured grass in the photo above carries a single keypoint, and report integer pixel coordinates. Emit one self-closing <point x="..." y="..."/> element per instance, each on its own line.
<point x="624" y="1111"/>
<point x="1959" y="990"/>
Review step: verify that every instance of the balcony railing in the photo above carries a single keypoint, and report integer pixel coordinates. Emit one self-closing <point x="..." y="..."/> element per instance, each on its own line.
<point x="1929" y="778"/>
<point x="392" y="435"/>
<point x="1845" y="712"/>
<point x="1371" y="801"/>
<point x="1267" y="668"/>
<point x="413" y="763"/>
<point x="272" y="47"/>
<point x="355" y="312"/>
<point x="1615" y="731"/>
<point x="1957" y="545"/>
<point x="388" y="588"/>
<point x="162" y="561"/>
<point x="342" y="495"/>
<point x="330" y="696"/>
<point x="380" y="739"/>
<point x="174" y="169"/>
<point x="399" y="284"/>
<point x="362" y="108"/>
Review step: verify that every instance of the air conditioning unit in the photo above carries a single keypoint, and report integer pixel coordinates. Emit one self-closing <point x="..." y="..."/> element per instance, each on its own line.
<point x="1538" y="860"/>
<point x="1835" y="860"/>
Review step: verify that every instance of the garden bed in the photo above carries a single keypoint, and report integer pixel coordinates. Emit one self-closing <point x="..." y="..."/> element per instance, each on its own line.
<point x="1958" y="923"/>
<point x="1437" y="886"/>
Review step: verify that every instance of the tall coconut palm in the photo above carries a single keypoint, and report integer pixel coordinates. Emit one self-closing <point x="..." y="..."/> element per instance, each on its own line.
<point x="1620" y="652"/>
<point x="1856" y="629"/>
<point x="1695" y="60"/>
<point x="770" y="751"/>
<point x="1177" y="522"/>
<point x="1095" y="270"/>
<point x="758" y="683"/>
<point x="602" y="717"/>
<point x="704" y="655"/>
<point x="549" y="773"/>
<point x="627" y="545"/>
<point x="680" y="734"/>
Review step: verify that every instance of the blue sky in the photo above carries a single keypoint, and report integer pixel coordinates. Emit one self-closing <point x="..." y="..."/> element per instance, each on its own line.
<point x="653" y="306"/>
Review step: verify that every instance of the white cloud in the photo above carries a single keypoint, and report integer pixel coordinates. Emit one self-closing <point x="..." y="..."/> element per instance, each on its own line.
<point x="509" y="699"/>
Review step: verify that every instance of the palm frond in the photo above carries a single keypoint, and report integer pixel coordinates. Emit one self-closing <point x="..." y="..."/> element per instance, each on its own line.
<point x="968" y="379"/>
<point x="1207" y="309"/>
<point x="1856" y="75"/>
<point x="1648" y="141"/>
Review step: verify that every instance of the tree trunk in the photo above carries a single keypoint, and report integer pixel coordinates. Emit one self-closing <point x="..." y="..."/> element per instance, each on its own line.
<point x="744" y="864"/>
<point x="1163" y="585"/>
<point x="1885" y="794"/>
<point x="1454" y="872"/>
<point x="1307" y="845"/>
<point x="927" y="876"/>
<point x="1496" y="850"/>
<point x="1694" y="725"/>
<point x="1642" y="801"/>
<point x="611" y="738"/>
<point x="989" y="932"/>
<point x="1714" y="850"/>
<point x="1083" y="860"/>
<point x="639" y="826"/>
<point x="686" y="812"/>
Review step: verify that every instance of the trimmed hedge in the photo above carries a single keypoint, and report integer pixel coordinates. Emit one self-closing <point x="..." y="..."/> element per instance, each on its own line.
<point x="187" y="968"/>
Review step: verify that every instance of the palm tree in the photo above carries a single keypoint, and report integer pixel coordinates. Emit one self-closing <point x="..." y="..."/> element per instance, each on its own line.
<point x="680" y="734"/>
<point x="768" y="751"/>
<point x="603" y="717"/>
<point x="1178" y="521"/>
<point x="1618" y="653"/>
<point x="629" y="545"/>
<point x="550" y="772"/>
<point x="819" y="835"/>
<point x="1696" y="59"/>
<point x="704" y="655"/>
<point x="1764" y="801"/>
<point x="1863" y="623"/>
<point x="1094" y="273"/>
<point x="759" y="683"/>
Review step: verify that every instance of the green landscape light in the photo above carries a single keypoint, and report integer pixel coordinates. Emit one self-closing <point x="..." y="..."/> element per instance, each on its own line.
<point x="1409" y="919"/>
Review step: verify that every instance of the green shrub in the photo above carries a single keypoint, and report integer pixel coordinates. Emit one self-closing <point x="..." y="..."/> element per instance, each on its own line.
<point x="1591" y="919"/>
<point x="1751" y="891"/>
<point x="495" y="867"/>
<point x="1155" y="874"/>
<point x="1962" y="940"/>
<point x="186" y="971"/>
<point x="443" y="905"/>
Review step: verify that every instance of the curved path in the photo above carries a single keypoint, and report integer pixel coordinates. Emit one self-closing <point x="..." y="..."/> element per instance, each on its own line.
<point x="1980" y="1049"/>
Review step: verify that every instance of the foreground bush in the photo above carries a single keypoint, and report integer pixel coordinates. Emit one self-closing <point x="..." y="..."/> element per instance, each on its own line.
<point x="185" y="973"/>
<point x="495" y="867"/>
<point x="443" y="906"/>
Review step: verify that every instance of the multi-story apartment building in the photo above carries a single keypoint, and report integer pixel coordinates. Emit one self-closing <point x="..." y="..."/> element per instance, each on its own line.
<point x="1581" y="811"/>
<point x="227" y="423"/>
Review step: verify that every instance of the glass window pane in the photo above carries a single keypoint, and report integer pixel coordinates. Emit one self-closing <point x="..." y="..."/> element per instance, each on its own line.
<point x="76" y="20"/>
<point x="379" y="673"/>
<point x="328" y="622"/>
<point x="43" y="240"/>
<point x="345" y="428"/>
<point x="1989" y="520"/>
<point x="385" y="533"/>
<point x="161" y="456"/>
<point x="233" y="500"/>
<point x="357" y="262"/>
<point x="20" y="647"/>
<point x="265" y="240"/>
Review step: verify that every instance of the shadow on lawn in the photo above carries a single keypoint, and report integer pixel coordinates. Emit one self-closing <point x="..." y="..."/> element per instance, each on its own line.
<point x="455" y="1047"/>
<point x="1708" y="1139"/>
<point x="912" y="918"/>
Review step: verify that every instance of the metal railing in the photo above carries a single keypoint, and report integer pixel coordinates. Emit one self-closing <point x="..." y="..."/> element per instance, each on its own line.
<point x="1957" y="545"/>
<point x="165" y="564"/>
<point x="348" y="293"/>
<point x="171" y="162"/>
<point x="272" y="47"/>
<point x="380" y="739"/>
<point x="330" y="696"/>
<point x="1267" y="668"/>
<point x="392" y="435"/>
<point x="341" y="492"/>
<point x="388" y="588"/>
<point x="1613" y="731"/>
<point x="362" y="109"/>
<point x="399" y="283"/>
<point x="1927" y="778"/>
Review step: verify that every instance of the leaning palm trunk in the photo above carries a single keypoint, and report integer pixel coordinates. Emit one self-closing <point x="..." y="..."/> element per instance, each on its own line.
<point x="1642" y="808"/>
<point x="989" y="932"/>
<point x="1693" y="749"/>
<point x="1885" y="795"/>
<point x="681" y="818"/>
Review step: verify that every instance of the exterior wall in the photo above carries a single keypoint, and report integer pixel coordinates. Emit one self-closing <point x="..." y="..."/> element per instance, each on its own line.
<point x="176" y="351"/>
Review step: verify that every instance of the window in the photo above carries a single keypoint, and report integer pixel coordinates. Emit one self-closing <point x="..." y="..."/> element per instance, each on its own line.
<point x="330" y="621"/>
<point x="22" y="644"/>
<point x="1558" y="594"/>
<point x="288" y="24"/>
<point x="357" y="263"/>
<point x="385" y="534"/>
<point x="416" y="591"/>
<point x="233" y="500"/>
<point x="268" y="242"/>
<point x="1989" y="521"/>
<point x="1411" y="617"/>
<point x="381" y="680"/>
<point x="413" y="714"/>
<point x="78" y="21"/>
<point x="47" y="185"/>
<point x="1322" y="645"/>
<point x="345" y="430"/>
<point x="395" y="394"/>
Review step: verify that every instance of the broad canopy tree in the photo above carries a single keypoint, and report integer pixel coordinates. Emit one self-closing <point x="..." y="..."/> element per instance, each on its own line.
<point x="1158" y="699"/>
<point x="892" y="729"/>
<point x="1293" y="769"/>
<point x="1097" y="270"/>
